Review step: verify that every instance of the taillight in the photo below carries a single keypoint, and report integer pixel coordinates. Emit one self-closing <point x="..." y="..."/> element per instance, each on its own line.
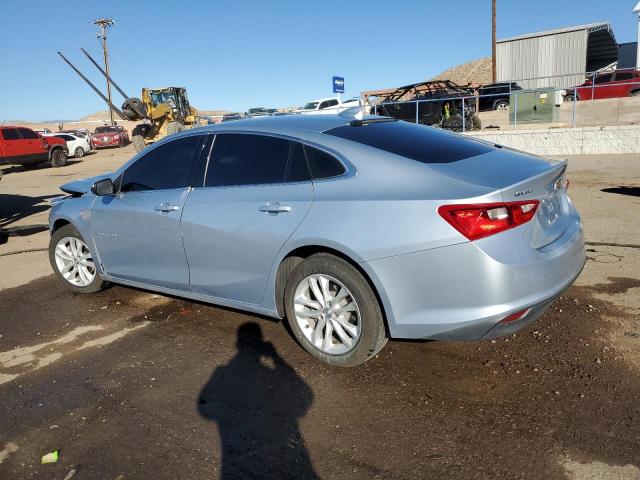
<point x="478" y="221"/>
<point x="515" y="316"/>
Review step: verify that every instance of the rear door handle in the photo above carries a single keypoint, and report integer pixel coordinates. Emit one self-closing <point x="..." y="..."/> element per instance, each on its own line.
<point x="275" y="207"/>
<point x="165" y="207"/>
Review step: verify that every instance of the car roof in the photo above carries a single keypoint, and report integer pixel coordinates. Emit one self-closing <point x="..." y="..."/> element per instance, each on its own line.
<point x="283" y="124"/>
<point x="17" y="126"/>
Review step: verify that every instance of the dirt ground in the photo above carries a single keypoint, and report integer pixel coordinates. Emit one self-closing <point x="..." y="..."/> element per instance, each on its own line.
<point x="132" y="385"/>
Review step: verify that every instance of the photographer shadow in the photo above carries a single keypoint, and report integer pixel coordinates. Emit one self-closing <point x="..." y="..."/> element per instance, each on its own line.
<point x="256" y="401"/>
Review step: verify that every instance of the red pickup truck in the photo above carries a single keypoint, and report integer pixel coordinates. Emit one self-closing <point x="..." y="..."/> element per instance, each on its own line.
<point x="23" y="146"/>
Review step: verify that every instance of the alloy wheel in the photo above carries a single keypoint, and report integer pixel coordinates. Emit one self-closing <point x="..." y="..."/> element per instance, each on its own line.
<point x="327" y="314"/>
<point x="75" y="262"/>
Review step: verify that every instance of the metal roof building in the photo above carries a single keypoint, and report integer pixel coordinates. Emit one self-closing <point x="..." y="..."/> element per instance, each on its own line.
<point x="564" y="51"/>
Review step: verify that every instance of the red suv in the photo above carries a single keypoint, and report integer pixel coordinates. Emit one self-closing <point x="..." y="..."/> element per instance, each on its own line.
<point x="621" y="83"/>
<point x="23" y="146"/>
<point x="109" y="136"/>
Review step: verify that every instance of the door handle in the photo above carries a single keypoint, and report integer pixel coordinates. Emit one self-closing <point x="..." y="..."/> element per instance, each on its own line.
<point x="275" y="208"/>
<point x="165" y="207"/>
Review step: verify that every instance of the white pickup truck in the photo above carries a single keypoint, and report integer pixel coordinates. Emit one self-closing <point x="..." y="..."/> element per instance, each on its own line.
<point x="326" y="106"/>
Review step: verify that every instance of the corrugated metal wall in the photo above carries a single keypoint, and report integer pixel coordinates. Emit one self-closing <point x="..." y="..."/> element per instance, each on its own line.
<point x="557" y="54"/>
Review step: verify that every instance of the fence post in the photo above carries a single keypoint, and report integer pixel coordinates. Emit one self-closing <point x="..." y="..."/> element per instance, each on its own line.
<point x="515" y="110"/>
<point x="463" y="116"/>
<point x="375" y="109"/>
<point x="593" y="83"/>
<point x="417" y="112"/>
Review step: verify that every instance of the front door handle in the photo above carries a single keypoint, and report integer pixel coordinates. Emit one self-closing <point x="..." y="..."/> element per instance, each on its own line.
<point x="165" y="207"/>
<point x="275" y="208"/>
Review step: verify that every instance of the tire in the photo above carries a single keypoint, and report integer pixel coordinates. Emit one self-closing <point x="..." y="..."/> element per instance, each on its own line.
<point x="476" y="122"/>
<point x="367" y="317"/>
<point x="501" y="105"/>
<point x="58" y="158"/>
<point x="568" y="98"/>
<point x="635" y="94"/>
<point x="77" y="281"/>
<point x="174" y="127"/>
<point x="78" y="152"/>
<point x="138" y="135"/>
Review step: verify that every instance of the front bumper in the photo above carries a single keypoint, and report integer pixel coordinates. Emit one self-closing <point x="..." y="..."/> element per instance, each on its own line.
<point x="460" y="292"/>
<point x="108" y="143"/>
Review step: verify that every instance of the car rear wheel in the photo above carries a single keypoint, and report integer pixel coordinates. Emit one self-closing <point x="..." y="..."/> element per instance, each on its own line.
<point x="73" y="262"/>
<point x="78" y="152"/>
<point x="58" y="158"/>
<point x="568" y="97"/>
<point x="174" y="127"/>
<point x="333" y="312"/>
<point x="501" y="105"/>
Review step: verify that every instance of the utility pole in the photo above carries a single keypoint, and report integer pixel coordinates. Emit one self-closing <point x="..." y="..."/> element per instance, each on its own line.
<point x="493" y="41"/>
<point x="636" y="10"/>
<point x="103" y="23"/>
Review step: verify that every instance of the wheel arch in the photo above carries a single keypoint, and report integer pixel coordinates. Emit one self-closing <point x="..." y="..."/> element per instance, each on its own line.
<point x="59" y="223"/>
<point x="296" y="255"/>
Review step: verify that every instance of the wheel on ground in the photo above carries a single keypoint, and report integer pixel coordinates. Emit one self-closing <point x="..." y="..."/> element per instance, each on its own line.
<point x="58" y="158"/>
<point x="174" y="127"/>
<point x="78" y="152"/>
<point x="73" y="262"/>
<point x="476" y="123"/>
<point x="568" y="98"/>
<point x="333" y="312"/>
<point x="138" y="135"/>
<point x="501" y="105"/>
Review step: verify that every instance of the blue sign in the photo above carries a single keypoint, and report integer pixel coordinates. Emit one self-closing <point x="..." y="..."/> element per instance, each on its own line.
<point x="338" y="84"/>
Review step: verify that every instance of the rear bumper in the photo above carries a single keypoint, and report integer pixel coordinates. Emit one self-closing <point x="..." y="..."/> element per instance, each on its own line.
<point x="461" y="292"/>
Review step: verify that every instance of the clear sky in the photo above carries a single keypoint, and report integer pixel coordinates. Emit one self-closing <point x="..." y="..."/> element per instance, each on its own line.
<point x="237" y="54"/>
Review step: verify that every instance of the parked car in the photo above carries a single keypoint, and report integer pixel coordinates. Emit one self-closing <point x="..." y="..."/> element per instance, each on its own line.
<point x="23" y="146"/>
<point x="354" y="230"/>
<point x="109" y="136"/>
<point x="498" y="98"/>
<point x="323" y="106"/>
<point x="257" y="112"/>
<point x="76" y="145"/>
<point x="228" y="117"/>
<point x="43" y="131"/>
<point x="80" y="132"/>
<point x="617" y="84"/>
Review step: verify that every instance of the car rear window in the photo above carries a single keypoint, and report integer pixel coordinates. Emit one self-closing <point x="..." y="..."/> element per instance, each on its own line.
<point x="417" y="142"/>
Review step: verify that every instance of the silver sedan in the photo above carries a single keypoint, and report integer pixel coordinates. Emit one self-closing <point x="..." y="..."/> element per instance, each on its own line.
<point x="355" y="231"/>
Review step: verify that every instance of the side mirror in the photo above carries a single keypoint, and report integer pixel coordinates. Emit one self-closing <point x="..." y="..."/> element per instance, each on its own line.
<point x="103" y="187"/>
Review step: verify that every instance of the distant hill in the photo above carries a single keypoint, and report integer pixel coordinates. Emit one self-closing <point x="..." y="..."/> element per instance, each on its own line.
<point x="104" y="115"/>
<point x="475" y="71"/>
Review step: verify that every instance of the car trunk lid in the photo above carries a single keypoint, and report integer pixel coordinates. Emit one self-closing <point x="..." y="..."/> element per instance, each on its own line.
<point x="521" y="177"/>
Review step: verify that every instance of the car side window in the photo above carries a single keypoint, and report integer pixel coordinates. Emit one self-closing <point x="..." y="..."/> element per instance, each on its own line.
<point x="604" y="78"/>
<point x="322" y="164"/>
<point x="27" y="134"/>
<point x="168" y="166"/>
<point x="332" y="103"/>
<point x="10" y="134"/>
<point x="623" y="76"/>
<point x="245" y="159"/>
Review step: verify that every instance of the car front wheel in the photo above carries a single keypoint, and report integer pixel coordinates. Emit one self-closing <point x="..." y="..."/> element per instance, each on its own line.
<point x="79" y="152"/>
<point x="333" y="311"/>
<point x="73" y="262"/>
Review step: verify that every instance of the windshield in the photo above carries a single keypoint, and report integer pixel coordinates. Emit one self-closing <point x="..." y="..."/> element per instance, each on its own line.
<point x="161" y="97"/>
<point x="106" y="129"/>
<point x="310" y="106"/>
<point x="417" y="142"/>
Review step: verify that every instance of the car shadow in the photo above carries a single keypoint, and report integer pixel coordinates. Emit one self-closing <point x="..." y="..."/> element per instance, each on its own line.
<point x="257" y="400"/>
<point x="623" y="190"/>
<point x="16" y="207"/>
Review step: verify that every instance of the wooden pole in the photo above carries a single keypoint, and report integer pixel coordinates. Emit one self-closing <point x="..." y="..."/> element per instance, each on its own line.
<point x="493" y="41"/>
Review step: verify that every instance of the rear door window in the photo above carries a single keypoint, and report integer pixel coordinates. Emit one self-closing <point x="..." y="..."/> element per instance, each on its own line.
<point x="245" y="159"/>
<point x="322" y="164"/>
<point x="417" y="142"/>
<point x="27" y="134"/>
<point x="10" y="134"/>
<point x="604" y="78"/>
<point x="623" y="76"/>
<point x="168" y="166"/>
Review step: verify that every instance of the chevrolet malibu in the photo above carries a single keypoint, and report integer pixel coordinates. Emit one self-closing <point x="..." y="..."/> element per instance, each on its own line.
<point x="354" y="230"/>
